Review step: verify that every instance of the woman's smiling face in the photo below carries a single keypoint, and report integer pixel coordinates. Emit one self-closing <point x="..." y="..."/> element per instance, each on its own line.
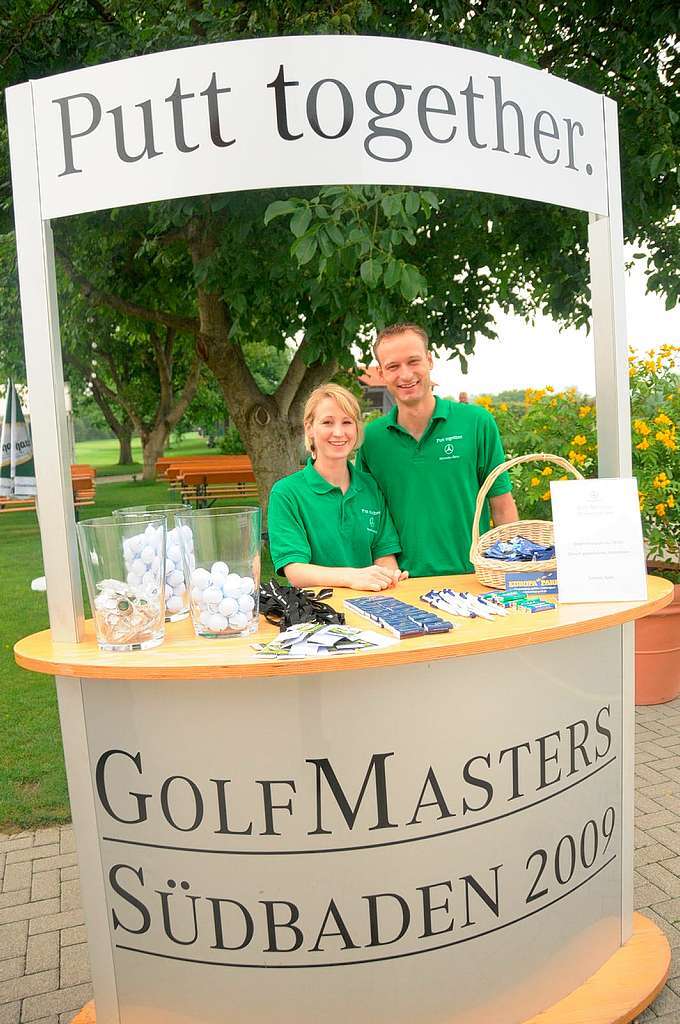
<point x="333" y="432"/>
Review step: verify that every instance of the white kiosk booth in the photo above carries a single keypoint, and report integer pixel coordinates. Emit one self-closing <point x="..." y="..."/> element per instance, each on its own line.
<point x="437" y="833"/>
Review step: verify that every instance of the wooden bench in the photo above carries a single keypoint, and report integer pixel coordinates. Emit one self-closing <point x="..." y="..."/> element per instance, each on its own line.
<point x="82" y="482"/>
<point x="203" y="486"/>
<point x="168" y="467"/>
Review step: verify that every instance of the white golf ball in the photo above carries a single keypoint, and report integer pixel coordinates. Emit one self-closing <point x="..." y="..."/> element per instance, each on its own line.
<point x="246" y="603"/>
<point x="173" y="604"/>
<point x="175" y="553"/>
<point x="218" y="623"/>
<point x="136" y="544"/>
<point x="239" y="621"/>
<point x="134" y="579"/>
<point x="174" y="577"/>
<point x="205" y="617"/>
<point x="149" y="579"/>
<point x="179" y="589"/>
<point x="247" y="585"/>
<point x="228" y="607"/>
<point x="232" y="582"/>
<point x="213" y="595"/>
<point x="221" y="568"/>
<point x="147" y="554"/>
<point x="196" y="595"/>
<point x="138" y="567"/>
<point x="200" y="578"/>
<point x="168" y="592"/>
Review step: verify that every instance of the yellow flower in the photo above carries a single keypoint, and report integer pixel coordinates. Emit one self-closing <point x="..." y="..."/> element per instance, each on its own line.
<point x="667" y="438"/>
<point x="503" y="407"/>
<point x="535" y="481"/>
<point x="547" y="471"/>
<point x="661" y="509"/>
<point x="553" y="403"/>
<point x="584" y="410"/>
<point x="545" y="496"/>
<point x="670" y="501"/>
<point x="642" y="428"/>
<point x="579" y="439"/>
<point x="485" y="400"/>
<point x="643" y="445"/>
<point x="642" y="496"/>
<point x="663" y="420"/>
<point x="549" y="388"/>
<point x="578" y="458"/>
<point x="660" y="481"/>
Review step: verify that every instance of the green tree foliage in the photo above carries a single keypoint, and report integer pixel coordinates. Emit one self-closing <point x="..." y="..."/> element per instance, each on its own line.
<point x="329" y="265"/>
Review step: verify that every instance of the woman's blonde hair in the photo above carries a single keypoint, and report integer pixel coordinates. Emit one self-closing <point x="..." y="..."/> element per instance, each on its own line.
<point x="344" y="398"/>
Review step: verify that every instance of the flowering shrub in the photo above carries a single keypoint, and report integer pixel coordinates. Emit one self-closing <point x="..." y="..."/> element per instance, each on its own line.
<point x="655" y="398"/>
<point x="564" y="423"/>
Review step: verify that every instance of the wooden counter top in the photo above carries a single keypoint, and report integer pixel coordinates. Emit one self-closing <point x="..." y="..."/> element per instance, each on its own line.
<point x="184" y="656"/>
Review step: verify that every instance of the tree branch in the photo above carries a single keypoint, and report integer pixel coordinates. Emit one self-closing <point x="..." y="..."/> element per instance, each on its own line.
<point x="287" y="389"/>
<point x="102" y="12"/>
<point x="316" y="373"/>
<point x="98" y="297"/>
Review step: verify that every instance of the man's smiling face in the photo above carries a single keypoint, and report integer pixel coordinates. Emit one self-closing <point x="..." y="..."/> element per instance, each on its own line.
<point x="405" y="366"/>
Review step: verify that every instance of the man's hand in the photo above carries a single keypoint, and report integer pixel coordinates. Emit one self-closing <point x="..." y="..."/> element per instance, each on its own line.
<point x="372" y="577"/>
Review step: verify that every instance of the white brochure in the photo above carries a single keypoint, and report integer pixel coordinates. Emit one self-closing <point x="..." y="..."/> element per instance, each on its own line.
<point x="598" y="540"/>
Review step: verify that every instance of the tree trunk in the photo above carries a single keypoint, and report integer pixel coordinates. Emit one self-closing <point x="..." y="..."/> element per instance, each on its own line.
<point x="153" y="446"/>
<point x="275" y="450"/>
<point x="125" y="443"/>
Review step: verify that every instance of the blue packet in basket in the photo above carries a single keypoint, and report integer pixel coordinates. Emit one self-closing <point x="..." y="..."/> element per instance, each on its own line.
<point x="520" y="549"/>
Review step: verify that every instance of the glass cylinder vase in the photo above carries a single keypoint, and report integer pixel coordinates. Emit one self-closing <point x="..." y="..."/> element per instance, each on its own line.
<point x="129" y="615"/>
<point x="221" y="551"/>
<point x="176" y="590"/>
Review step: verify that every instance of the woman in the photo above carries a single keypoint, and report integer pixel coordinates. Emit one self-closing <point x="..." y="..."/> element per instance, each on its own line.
<point x="328" y="524"/>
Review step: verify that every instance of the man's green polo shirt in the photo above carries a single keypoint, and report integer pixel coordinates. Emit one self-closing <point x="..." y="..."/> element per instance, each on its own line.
<point x="431" y="485"/>
<point x="313" y="522"/>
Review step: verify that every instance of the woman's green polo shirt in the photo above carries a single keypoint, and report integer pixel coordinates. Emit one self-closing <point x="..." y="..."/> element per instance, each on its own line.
<point x="313" y="522"/>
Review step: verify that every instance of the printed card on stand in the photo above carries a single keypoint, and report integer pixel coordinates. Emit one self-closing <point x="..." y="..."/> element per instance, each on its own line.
<point x="598" y="540"/>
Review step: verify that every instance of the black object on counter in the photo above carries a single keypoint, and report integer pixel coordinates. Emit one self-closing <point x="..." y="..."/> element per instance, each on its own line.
<point x="288" y="606"/>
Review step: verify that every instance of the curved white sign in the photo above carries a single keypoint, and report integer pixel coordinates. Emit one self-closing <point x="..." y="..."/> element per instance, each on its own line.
<point x="315" y="110"/>
<point x="383" y="846"/>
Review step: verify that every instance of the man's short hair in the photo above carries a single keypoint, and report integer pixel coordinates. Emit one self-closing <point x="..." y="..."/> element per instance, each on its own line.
<point x="394" y="329"/>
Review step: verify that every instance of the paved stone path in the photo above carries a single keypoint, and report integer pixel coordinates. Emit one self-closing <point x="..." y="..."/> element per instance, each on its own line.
<point x="44" y="971"/>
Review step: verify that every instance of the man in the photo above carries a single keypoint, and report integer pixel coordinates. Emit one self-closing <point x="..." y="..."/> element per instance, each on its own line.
<point x="430" y="457"/>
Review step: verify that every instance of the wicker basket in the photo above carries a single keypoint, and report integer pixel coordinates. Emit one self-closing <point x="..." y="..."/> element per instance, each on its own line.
<point x="491" y="571"/>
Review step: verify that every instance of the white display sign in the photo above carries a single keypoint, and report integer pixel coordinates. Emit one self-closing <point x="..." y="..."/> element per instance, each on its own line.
<point x="314" y="110"/>
<point x="598" y="540"/>
<point x="428" y="842"/>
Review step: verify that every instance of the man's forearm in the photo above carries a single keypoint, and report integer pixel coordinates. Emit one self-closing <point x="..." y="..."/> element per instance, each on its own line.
<point x="503" y="509"/>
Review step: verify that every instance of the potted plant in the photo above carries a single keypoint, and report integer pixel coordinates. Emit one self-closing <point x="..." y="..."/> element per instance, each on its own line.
<point x="564" y="423"/>
<point x="655" y="406"/>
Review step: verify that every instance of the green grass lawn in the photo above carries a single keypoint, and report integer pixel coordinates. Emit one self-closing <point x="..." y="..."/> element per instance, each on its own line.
<point x="103" y="455"/>
<point x="32" y="780"/>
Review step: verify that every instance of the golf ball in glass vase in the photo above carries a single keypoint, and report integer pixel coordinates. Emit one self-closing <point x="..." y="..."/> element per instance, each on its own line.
<point x="221" y="548"/>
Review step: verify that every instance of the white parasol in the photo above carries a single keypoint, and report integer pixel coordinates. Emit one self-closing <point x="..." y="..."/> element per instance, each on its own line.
<point x="17" y="471"/>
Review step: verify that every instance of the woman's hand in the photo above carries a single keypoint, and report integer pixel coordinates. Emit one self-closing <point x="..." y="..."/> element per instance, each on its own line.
<point x="372" y="577"/>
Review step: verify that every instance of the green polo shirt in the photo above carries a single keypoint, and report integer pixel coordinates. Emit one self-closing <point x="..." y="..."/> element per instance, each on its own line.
<point x="431" y="485"/>
<point x="313" y="522"/>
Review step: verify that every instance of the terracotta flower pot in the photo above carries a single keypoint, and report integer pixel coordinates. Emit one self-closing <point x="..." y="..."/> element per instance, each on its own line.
<point x="657" y="654"/>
